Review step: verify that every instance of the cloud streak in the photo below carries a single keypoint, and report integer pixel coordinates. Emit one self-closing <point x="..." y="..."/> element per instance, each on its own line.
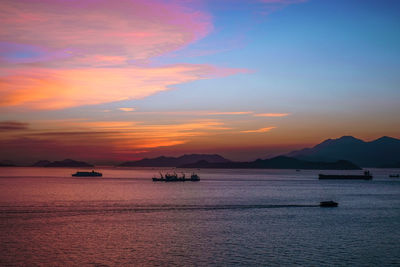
<point x="127" y="109"/>
<point x="271" y="115"/>
<point x="107" y="139"/>
<point x="6" y="126"/>
<point x="261" y="130"/>
<point x="231" y="113"/>
<point x="41" y="88"/>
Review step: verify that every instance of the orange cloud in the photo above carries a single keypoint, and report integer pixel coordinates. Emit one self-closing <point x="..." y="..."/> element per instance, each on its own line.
<point x="262" y="130"/>
<point x="87" y="49"/>
<point x="125" y="134"/>
<point x="62" y="88"/>
<point x="271" y="114"/>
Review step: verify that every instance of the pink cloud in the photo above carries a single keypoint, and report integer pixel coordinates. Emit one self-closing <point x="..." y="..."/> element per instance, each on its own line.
<point x="271" y="114"/>
<point x="138" y="29"/>
<point x="127" y="109"/>
<point x="99" y="39"/>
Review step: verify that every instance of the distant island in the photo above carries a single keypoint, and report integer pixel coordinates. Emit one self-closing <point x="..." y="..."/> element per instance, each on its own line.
<point x="384" y="151"/>
<point x="7" y="163"/>
<point x="174" y="161"/>
<point x="63" y="163"/>
<point x="280" y="162"/>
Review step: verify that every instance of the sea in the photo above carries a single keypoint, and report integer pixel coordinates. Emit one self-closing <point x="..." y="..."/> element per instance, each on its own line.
<point x="229" y="218"/>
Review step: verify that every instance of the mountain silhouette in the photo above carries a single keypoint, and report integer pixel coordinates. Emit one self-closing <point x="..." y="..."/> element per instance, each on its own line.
<point x="280" y="162"/>
<point x="7" y="163"/>
<point x="63" y="163"/>
<point x="382" y="151"/>
<point x="174" y="161"/>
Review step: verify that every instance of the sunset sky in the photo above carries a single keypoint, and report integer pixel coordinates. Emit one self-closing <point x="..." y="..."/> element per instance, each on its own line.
<point x="109" y="81"/>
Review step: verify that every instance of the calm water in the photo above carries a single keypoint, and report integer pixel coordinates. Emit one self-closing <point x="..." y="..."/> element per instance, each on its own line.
<point x="230" y="217"/>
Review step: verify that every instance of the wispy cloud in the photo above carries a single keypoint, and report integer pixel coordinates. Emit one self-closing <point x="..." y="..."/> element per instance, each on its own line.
<point x="127" y="109"/>
<point x="230" y="113"/>
<point x="42" y="88"/>
<point x="261" y="130"/>
<point x="271" y="114"/>
<point x="12" y="126"/>
<point x="138" y="29"/>
<point x="114" y="137"/>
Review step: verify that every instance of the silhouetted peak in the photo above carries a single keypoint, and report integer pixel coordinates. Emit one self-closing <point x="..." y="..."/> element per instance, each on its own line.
<point x="283" y="159"/>
<point x="349" y="138"/>
<point x="367" y="154"/>
<point x="5" y="163"/>
<point x="41" y="163"/>
<point x="163" y="161"/>
<point x="385" y="139"/>
<point x="62" y="163"/>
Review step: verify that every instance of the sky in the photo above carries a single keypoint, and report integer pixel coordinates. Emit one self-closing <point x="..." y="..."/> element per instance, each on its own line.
<point x="108" y="81"/>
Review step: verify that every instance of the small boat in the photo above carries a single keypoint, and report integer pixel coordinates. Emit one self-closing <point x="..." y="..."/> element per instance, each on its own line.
<point x="328" y="204"/>
<point x="394" y="175"/>
<point x="366" y="176"/>
<point x="194" y="177"/>
<point x="88" y="174"/>
<point x="175" y="178"/>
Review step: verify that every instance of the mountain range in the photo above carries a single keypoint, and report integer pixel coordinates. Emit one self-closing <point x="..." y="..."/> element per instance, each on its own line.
<point x="174" y="161"/>
<point x="280" y="162"/>
<point x="62" y="163"/>
<point x="346" y="152"/>
<point x="381" y="152"/>
<point x="6" y="163"/>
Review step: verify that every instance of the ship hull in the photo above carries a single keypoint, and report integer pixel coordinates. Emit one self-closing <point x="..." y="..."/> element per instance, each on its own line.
<point x="344" y="177"/>
<point x="87" y="174"/>
<point x="174" y="180"/>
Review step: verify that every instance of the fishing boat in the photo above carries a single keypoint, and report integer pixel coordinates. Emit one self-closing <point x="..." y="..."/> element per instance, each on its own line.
<point x="366" y="176"/>
<point x="194" y="177"/>
<point x="328" y="204"/>
<point x="175" y="178"/>
<point x="88" y="174"/>
<point x="394" y="175"/>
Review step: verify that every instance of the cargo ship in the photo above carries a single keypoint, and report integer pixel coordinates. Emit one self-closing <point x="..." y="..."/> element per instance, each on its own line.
<point x="366" y="176"/>
<point x="88" y="174"/>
